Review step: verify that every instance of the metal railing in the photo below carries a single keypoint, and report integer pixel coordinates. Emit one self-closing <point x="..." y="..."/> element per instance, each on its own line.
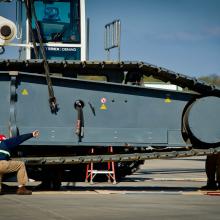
<point x="112" y="37"/>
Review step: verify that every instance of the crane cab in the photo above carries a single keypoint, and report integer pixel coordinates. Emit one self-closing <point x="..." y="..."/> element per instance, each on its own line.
<point x="62" y="28"/>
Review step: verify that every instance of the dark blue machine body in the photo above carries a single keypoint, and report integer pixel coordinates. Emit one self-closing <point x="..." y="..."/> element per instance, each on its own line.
<point x="114" y="114"/>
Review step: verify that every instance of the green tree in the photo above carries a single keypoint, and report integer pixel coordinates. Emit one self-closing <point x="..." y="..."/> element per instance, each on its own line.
<point x="213" y="79"/>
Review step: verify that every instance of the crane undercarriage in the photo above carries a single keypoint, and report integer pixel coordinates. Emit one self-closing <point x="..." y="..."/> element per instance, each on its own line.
<point x="139" y="123"/>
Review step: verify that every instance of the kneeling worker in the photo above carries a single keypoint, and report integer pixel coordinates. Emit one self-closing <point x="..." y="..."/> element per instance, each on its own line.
<point x="9" y="166"/>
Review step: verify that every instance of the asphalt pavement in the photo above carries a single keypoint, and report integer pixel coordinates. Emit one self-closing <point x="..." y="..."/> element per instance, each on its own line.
<point x="167" y="189"/>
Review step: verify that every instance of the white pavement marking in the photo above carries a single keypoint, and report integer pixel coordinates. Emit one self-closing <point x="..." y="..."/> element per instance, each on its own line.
<point x="201" y="192"/>
<point x="178" y="179"/>
<point x="124" y="192"/>
<point x="63" y="192"/>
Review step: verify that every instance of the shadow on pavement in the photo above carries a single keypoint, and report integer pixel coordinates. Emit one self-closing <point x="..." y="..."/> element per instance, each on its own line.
<point x="12" y="189"/>
<point x="130" y="188"/>
<point x="169" y="171"/>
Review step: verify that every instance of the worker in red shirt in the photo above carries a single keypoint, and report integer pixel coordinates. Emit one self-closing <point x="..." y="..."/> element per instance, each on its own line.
<point x="9" y="166"/>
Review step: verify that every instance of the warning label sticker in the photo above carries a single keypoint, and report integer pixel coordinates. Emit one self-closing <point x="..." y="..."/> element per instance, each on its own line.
<point x="167" y="100"/>
<point x="103" y="107"/>
<point x="24" y="92"/>
<point x="103" y="100"/>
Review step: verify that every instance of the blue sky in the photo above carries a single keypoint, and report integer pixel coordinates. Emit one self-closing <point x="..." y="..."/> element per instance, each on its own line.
<point x="181" y="35"/>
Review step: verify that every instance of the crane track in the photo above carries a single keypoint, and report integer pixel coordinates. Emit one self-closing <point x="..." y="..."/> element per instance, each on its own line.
<point x="100" y="67"/>
<point x="118" y="157"/>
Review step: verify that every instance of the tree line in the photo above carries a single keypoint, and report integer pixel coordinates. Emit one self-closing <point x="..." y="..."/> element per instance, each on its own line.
<point x="213" y="79"/>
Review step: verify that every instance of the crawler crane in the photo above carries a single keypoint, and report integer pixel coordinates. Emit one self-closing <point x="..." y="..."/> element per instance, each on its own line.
<point x="44" y="90"/>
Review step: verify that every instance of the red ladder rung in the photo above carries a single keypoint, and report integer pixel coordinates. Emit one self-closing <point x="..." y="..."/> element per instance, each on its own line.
<point x="91" y="173"/>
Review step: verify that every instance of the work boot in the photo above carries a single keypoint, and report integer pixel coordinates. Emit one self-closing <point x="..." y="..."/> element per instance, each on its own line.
<point x="1" y="193"/>
<point x="218" y="183"/>
<point x="23" y="191"/>
<point x="209" y="186"/>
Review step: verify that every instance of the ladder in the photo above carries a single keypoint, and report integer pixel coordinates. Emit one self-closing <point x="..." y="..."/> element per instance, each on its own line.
<point x="110" y="172"/>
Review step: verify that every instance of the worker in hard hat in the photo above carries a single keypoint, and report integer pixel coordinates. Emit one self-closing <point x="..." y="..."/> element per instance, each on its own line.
<point x="9" y="166"/>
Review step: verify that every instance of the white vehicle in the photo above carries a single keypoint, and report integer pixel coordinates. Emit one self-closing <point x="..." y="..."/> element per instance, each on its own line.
<point x="163" y="86"/>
